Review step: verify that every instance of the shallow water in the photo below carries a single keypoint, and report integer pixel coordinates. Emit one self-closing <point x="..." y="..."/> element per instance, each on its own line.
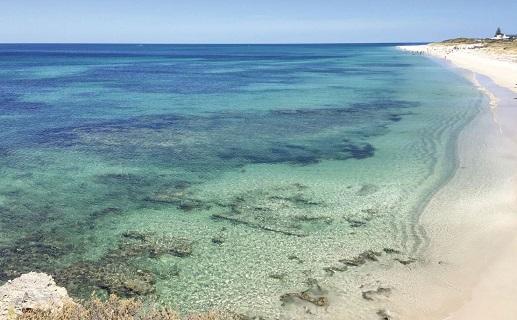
<point x="208" y="177"/>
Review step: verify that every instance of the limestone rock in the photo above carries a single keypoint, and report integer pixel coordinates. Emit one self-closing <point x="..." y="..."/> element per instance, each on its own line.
<point x="31" y="291"/>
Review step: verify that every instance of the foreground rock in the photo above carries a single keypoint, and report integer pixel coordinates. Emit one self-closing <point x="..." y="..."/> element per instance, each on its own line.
<point x="31" y="291"/>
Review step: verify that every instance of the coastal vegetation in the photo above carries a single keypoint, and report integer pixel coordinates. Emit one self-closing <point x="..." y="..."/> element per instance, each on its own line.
<point x="494" y="46"/>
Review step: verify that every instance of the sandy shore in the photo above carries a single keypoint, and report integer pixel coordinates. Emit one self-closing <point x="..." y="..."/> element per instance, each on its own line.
<point x="472" y="221"/>
<point x="502" y="69"/>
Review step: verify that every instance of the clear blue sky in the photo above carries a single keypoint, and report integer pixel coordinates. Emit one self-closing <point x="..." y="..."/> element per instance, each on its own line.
<point x="247" y="21"/>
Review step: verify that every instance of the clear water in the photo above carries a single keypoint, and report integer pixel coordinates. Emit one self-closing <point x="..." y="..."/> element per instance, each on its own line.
<point x="221" y="176"/>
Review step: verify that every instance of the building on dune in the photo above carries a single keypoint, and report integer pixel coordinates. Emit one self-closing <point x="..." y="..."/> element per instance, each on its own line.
<point x="499" y="35"/>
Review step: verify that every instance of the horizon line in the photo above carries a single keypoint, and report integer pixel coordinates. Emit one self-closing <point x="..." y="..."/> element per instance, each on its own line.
<point x="214" y="43"/>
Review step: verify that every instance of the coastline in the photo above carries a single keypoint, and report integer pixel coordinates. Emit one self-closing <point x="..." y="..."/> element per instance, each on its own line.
<point x="502" y="69"/>
<point x="471" y="220"/>
<point x="460" y="272"/>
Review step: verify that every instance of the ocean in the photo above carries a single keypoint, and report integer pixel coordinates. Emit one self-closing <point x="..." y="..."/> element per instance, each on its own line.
<point x="264" y="179"/>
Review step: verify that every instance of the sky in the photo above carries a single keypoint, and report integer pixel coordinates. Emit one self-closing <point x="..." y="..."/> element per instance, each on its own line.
<point x="247" y="21"/>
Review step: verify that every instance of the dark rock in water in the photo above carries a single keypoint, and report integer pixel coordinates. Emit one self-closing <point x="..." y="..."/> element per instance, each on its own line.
<point x="314" y="295"/>
<point x="362" y="258"/>
<point x="278" y="276"/>
<point x="256" y="226"/>
<point x="372" y="294"/>
<point x="116" y="278"/>
<point x="182" y="184"/>
<point x="305" y="296"/>
<point x="367" y="189"/>
<point x="370" y="211"/>
<point x="219" y="239"/>
<point x="110" y="210"/>
<point x="360" y="152"/>
<point x="297" y="200"/>
<point x="16" y="212"/>
<point x="172" y="271"/>
<point x="135" y="235"/>
<point x="406" y="261"/>
<point x="277" y="154"/>
<point x="118" y="270"/>
<point x="306" y="218"/>
<point x="355" y="223"/>
<point x="395" y="117"/>
<point x="384" y="315"/>
<point x="141" y="243"/>
<point x="192" y="204"/>
<point x="391" y="251"/>
<point x="5" y="275"/>
<point x="32" y="253"/>
<point x="331" y="270"/>
<point x="181" y="199"/>
<point x="285" y="209"/>
<point x="300" y="186"/>
<point x="295" y="258"/>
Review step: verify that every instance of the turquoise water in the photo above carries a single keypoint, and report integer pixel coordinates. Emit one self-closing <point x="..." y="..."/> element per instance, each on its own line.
<point x="221" y="176"/>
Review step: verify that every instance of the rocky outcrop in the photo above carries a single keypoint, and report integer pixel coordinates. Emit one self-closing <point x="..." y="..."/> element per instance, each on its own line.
<point x="31" y="291"/>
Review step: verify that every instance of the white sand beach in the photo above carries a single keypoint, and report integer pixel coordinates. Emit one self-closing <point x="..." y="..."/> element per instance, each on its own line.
<point x="502" y="69"/>
<point x="472" y="220"/>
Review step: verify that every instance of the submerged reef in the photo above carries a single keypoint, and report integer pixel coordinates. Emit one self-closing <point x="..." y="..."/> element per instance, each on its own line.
<point x="35" y="252"/>
<point x="362" y="258"/>
<point x="288" y="210"/>
<point x="367" y="257"/>
<point x="136" y="243"/>
<point x="114" y="277"/>
<point x="180" y="197"/>
<point x="17" y="209"/>
<point x="298" y="136"/>
<point x="120" y="270"/>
